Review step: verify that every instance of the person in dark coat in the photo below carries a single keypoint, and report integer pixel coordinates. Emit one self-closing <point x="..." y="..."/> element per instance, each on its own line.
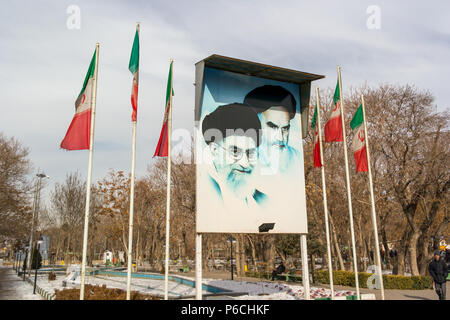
<point x="279" y="270"/>
<point x="438" y="270"/>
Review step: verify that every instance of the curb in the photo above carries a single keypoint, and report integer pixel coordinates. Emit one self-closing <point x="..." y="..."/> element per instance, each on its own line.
<point x="44" y="293"/>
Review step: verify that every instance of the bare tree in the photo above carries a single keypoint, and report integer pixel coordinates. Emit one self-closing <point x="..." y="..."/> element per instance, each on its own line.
<point x="15" y="189"/>
<point x="68" y="205"/>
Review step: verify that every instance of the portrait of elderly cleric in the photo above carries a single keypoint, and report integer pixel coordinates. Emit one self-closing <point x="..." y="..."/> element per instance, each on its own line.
<point x="276" y="107"/>
<point x="232" y="134"/>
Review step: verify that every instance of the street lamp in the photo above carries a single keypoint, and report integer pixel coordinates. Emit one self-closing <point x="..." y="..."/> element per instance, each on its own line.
<point x="24" y="269"/>
<point x="18" y="262"/>
<point x="37" y="194"/>
<point x="231" y="240"/>
<point x="37" y="264"/>
<point x="15" y="260"/>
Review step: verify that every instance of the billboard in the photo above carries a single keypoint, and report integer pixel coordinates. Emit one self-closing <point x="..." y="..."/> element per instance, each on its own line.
<point x="249" y="154"/>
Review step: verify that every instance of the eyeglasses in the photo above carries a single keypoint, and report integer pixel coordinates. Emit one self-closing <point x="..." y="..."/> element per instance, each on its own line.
<point x="236" y="153"/>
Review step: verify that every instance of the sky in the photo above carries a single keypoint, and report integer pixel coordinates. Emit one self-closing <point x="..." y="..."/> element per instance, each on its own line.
<point x="46" y="47"/>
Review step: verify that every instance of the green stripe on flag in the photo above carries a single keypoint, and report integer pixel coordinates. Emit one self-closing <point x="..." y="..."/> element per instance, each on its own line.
<point x="337" y="94"/>
<point x="90" y="74"/>
<point x="314" y="119"/>
<point x="169" y="85"/>
<point x="134" y="58"/>
<point x="357" y="118"/>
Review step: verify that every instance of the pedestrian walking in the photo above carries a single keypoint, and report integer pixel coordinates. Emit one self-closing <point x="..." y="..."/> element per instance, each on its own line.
<point x="438" y="270"/>
<point x="279" y="270"/>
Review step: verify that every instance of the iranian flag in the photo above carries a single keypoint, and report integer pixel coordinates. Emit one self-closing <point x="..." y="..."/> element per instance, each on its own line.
<point x="134" y="69"/>
<point x="359" y="141"/>
<point x="333" y="127"/>
<point x="78" y="134"/>
<point x="317" y="160"/>
<point x="163" y="144"/>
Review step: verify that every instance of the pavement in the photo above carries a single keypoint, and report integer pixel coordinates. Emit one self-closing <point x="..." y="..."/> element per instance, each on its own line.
<point x="13" y="287"/>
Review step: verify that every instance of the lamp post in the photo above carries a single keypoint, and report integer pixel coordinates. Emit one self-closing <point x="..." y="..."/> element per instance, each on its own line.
<point x="24" y="269"/>
<point x="37" y="264"/>
<point x="18" y="262"/>
<point x="231" y="240"/>
<point x="37" y="194"/>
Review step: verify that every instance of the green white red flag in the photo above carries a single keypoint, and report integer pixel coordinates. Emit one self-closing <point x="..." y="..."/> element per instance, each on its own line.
<point x="163" y="144"/>
<point x="134" y="69"/>
<point x="359" y="141"/>
<point x="333" y="127"/>
<point x="317" y="159"/>
<point x="78" y="134"/>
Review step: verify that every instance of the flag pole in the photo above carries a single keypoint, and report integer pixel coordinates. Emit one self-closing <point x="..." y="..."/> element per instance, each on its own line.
<point x="347" y="175"/>
<point x="169" y="137"/>
<point x="88" y="183"/>
<point x="324" y="192"/>
<point x="372" y="200"/>
<point x="130" y="231"/>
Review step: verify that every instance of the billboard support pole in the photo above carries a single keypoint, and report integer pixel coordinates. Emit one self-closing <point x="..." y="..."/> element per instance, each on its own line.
<point x="305" y="271"/>
<point x="198" y="266"/>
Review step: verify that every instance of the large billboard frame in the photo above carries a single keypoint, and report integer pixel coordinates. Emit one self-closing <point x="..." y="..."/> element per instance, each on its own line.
<point x="299" y="79"/>
<point x="302" y="79"/>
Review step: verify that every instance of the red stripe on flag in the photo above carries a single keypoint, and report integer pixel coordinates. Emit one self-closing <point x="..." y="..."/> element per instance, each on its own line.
<point x="78" y="134"/>
<point x="333" y="130"/>
<point x="163" y="143"/>
<point x="361" y="160"/>
<point x="317" y="160"/>
<point x="134" y="97"/>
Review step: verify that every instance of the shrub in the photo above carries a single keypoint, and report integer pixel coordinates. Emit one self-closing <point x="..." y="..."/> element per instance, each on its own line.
<point x="101" y="293"/>
<point x="51" y="276"/>
<point x="347" y="278"/>
<point x="36" y="262"/>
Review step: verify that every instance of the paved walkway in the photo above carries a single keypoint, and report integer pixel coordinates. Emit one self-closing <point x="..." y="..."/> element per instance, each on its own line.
<point x="14" y="288"/>
<point x="427" y="294"/>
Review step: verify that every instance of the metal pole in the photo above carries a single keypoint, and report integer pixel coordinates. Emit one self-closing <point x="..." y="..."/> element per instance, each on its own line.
<point x="41" y="175"/>
<point x="324" y="192"/>
<point x="231" y="256"/>
<point x="130" y="235"/>
<point x="198" y="267"/>
<point x="36" y="271"/>
<point x="88" y="183"/>
<point x="372" y="200"/>
<point x="169" y="133"/>
<point x="34" y="213"/>
<point x="305" y="271"/>
<point x="347" y="176"/>
<point x="130" y="232"/>
<point x="25" y="265"/>
<point x="18" y="262"/>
